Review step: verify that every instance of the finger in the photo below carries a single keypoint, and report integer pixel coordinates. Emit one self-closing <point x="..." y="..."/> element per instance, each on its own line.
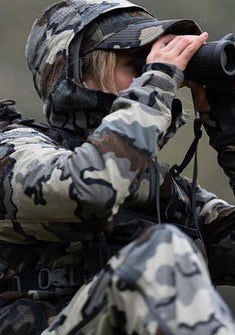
<point x="193" y="47"/>
<point x="179" y="43"/>
<point x="162" y="41"/>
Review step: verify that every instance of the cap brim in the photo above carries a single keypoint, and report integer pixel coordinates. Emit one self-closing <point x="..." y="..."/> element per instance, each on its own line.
<point x="137" y="35"/>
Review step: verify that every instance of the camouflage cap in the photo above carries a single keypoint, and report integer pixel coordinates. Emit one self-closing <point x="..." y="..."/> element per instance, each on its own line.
<point x="131" y="29"/>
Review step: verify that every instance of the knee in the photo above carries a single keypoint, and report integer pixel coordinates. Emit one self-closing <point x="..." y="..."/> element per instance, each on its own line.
<point x="155" y="248"/>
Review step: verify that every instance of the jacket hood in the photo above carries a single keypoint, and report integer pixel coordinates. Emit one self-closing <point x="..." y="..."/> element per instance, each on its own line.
<point x="55" y="63"/>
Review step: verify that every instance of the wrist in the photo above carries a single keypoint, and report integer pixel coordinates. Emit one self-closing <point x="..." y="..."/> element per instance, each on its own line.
<point x="169" y="69"/>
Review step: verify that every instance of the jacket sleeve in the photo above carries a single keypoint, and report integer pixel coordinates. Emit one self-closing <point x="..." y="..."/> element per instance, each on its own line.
<point x="220" y="126"/>
<point x="45" y="187"/>
<point x="214" y="214"/>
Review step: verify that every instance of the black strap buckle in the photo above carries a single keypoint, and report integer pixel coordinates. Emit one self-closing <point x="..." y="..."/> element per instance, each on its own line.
<point x="13" y="284"/>
<point x="61" y="277"/>
<point x="175" y="170"/>
<point x="7" y="111"/>
<point x="7" y="102"/>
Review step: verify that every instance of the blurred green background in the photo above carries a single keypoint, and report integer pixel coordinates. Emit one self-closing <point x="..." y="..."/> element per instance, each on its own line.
<point x="214" y="16"/>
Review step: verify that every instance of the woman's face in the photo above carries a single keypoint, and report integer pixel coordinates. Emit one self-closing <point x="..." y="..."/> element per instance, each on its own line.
<point x="125" y="71"/>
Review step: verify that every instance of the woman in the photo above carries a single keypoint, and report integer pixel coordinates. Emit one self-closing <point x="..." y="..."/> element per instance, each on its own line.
<point x="72" y="196"/>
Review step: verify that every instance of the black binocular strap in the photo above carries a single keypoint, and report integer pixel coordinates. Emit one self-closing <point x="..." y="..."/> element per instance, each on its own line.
<point x="176" y="169"/>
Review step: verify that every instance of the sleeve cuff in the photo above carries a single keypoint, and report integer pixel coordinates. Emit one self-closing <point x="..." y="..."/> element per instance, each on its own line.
<point x="169" y="69"/>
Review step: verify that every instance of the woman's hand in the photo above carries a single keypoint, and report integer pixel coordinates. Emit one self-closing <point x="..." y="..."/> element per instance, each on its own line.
<point x="199" y="96"/>
<point x="176" y="49"/>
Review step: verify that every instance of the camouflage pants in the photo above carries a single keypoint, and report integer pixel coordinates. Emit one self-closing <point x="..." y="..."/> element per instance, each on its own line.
<point x="159" y="282"/>
<point x="26" y="317"/>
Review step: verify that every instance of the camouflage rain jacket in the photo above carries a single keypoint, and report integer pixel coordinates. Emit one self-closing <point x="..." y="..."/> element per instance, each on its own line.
<point x="56" y="194"/>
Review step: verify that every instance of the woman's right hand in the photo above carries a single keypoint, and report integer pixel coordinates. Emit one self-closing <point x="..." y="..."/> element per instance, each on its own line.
<point x="176" y="49"/>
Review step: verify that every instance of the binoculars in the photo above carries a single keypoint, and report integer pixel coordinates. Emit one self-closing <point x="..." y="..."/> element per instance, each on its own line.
<point x="214" y="62"/>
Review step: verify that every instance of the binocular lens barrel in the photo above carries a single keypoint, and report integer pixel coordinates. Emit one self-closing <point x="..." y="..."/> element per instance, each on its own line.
<point x="214" y="62"/>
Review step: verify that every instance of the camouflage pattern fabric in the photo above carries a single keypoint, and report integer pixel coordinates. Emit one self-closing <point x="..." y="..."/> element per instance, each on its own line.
<point x="66" y="102"/>
<point x="105" y="32"/>
<point x="51" y="194"/>
<point x="157" y="282"/>
<point x="25" y="316"/>
<point x="110" y="165"/>
<point x="219" y="124"/>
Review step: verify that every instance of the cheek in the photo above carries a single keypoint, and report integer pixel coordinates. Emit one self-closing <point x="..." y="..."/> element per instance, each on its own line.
<point x="123" y="79"/>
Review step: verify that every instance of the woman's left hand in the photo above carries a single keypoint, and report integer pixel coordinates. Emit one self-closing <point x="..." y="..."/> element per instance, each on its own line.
<point x="200" y="97"/>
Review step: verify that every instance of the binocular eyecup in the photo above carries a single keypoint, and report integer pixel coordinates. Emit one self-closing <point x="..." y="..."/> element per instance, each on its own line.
<point x="214" y="62"/>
